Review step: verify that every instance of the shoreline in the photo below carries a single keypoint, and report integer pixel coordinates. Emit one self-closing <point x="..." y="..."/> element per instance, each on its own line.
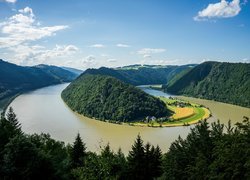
<point x="206" y="116"/>
<point x="10" y="99"/>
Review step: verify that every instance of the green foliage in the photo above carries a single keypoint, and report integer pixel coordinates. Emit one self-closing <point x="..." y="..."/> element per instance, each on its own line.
<point x="78" y="152"/>
<point x="136" y="160"/>
<point x="107" y="98"/>
<point x="9" y="128"/>
<point x="22" y="160"/>
<point x="12" y="119"/>
<point x="55" y="151"/>
<point x="144" y="162"/>
<point x="142" y="75"/>
<point x="225" y="82"/>
<point x="16" y="79"/>
<point x="107" y="165"/>
<point x="210" y="154"/>
<point x="216" y="152"/>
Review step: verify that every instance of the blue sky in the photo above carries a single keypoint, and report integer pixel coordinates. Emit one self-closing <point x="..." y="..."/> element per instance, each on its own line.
<point x="94" y="33"/>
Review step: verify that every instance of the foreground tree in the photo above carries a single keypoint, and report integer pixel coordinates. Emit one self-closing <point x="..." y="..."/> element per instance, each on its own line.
<point x="22" y="160"/>
<point x="136" y="160"/>
<point x="11" y="117"/>
<point x="208" y="153"/>
<point x="78" y="152"/>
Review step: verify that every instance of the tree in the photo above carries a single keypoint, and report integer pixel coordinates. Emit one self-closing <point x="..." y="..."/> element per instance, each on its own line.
<point x="22" y="160"/>
<point x="78" y="152"/>
<point x="9" y="128"/>
<point x="149" y="150"/>
<point x="12" y="119"/>
<point x="136" y="160"/>
<point x="157" y="161"/>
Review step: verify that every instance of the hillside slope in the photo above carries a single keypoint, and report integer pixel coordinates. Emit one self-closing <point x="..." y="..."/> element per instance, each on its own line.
<point x="107" y="98"/>
<point x="225" y="82"/>
<point x="16" y="79"/>
<point x="142" y="75"/>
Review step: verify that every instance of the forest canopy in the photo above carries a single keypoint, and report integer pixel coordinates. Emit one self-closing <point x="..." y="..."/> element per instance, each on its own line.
<point x="107" y="98"/>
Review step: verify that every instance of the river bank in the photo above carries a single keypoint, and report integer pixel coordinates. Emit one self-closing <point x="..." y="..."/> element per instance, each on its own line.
<point x="43" y="111"/>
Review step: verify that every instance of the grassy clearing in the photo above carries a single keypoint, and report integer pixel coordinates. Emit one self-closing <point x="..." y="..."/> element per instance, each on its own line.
<point x="182" y="113"/>
<point x="190" y="114"/>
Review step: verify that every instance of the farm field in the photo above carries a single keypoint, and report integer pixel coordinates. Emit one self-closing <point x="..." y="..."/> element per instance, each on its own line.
<point x="184" y="114"/>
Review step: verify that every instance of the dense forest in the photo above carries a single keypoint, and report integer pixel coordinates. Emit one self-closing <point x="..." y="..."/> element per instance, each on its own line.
<point x="107" y="98"/>
<point x="142" y="75"/>
<point x="216" y="152"/>
<point x="225" y="82"/>
<point x="16" y="79"/>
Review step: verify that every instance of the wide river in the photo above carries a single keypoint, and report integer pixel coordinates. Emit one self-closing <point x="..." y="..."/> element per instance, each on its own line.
<point x="43" y="110"/>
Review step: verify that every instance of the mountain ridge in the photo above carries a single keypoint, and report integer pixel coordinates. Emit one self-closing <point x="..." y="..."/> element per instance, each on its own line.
<point x="152" y="74"/>
<point x="220" y="81"/>
<point x="16" y="79"/>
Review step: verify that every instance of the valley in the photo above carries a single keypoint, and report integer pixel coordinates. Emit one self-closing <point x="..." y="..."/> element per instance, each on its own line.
<point x="124" y="90"/>
<point x="36" y="116"/>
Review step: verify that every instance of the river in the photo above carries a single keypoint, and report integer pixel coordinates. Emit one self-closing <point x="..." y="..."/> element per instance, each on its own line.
<point x="43" y="110"/>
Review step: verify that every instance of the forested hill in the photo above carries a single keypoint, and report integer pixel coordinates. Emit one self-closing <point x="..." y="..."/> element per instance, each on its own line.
<point x="107" y="98"/>
<point x="15" y="79"/>
<point x="142" y="75"/>
<point x="225" y="82"/>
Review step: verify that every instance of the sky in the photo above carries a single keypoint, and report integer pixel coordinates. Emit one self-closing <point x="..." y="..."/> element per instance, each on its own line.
<point x="93" y="33"/>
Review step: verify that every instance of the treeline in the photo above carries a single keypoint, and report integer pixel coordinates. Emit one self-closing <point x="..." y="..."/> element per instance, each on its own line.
<point x="107" y="98"/>
<point x="225" y="82"/>
<point x="216" y="152"/>
<point x="142" y="75"/>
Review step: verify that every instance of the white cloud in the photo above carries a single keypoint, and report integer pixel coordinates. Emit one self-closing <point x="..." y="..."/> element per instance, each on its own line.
<point x="10" y="1"/>
<point x="148" y="51"/>
<point x="89" y="61"/>
<point x="19" y="30"/>
<point x="89" y="58"/>
<point x="123" y="45"/>
<point x="111" y="60"/>
<point x="22" y="28"/>
<point x="147" y="56"/>
<point x="58" y="51"/>
<point x="30" y="55"/>
<point x="97" y="46"/>
<point x="222" y="9"/>
<point x="26" y="10"/>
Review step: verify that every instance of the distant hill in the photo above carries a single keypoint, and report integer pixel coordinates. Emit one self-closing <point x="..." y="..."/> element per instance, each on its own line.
<point x="16" y="79"/>
<point x="107" y="98"/>
<point x="61" y="74"/>
<point x="73" y="70"/>
<point x="142" y="75"/>
<point x="225" y="82"/>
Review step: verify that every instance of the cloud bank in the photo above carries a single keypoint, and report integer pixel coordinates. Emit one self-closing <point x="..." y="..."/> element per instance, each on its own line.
<point x="21" y="30"/>
<point x="222" y="9"/>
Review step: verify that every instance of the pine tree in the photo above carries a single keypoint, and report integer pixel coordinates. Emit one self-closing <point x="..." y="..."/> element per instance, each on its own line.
<point x="149" y="150"/>
<point x="78" y="152"/>
<point x="157" y="161"/>
<point x="13" y="121"/>
<point x="136" y="160"/>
